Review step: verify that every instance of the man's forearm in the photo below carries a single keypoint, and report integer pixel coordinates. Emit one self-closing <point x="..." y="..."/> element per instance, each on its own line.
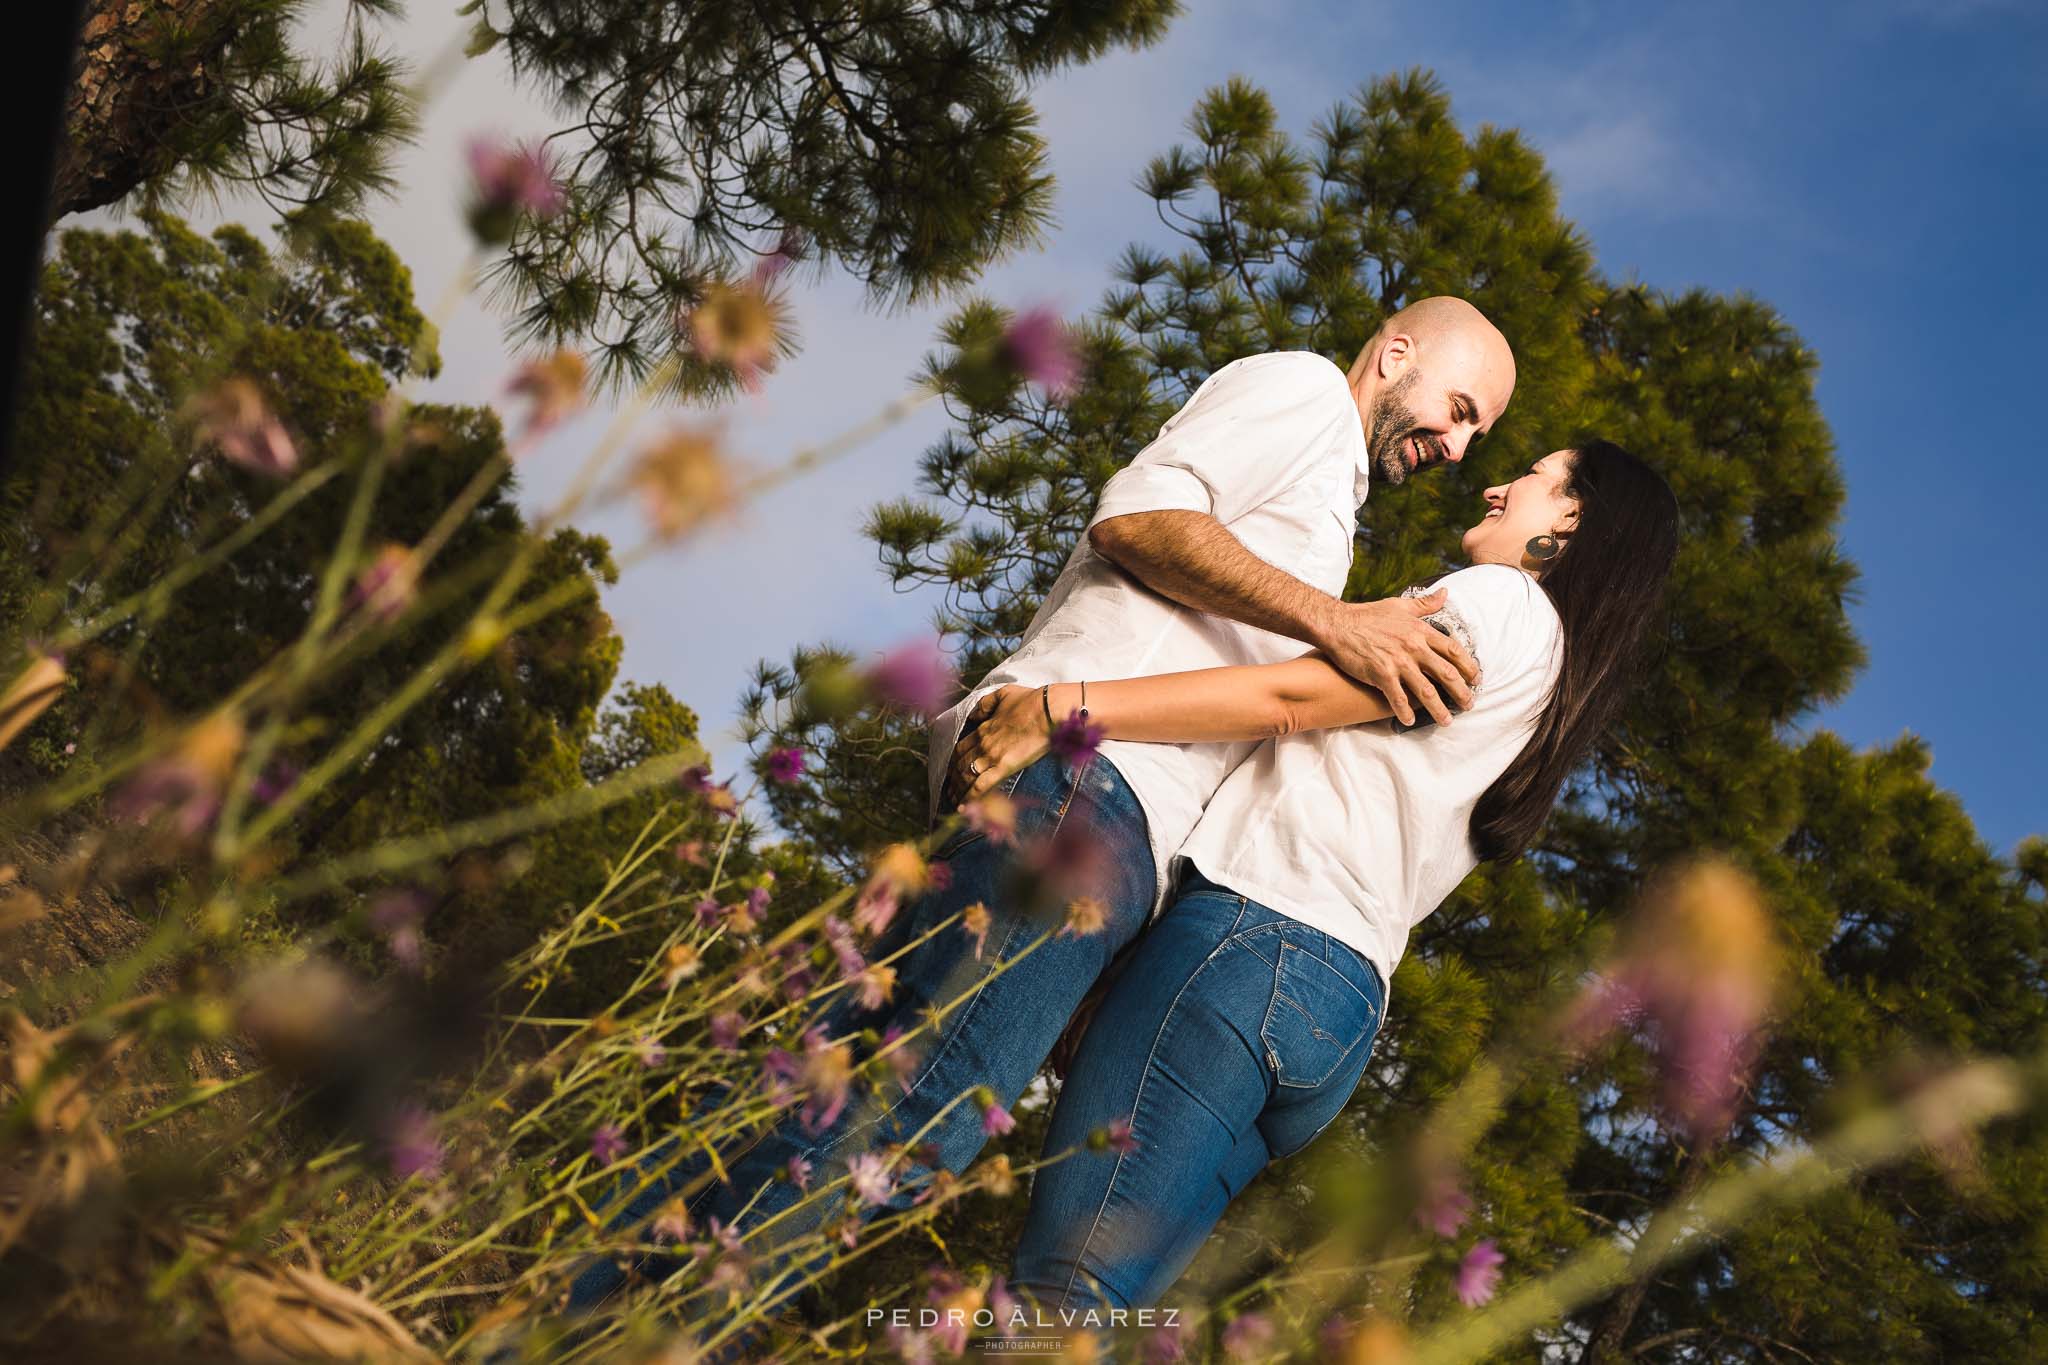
<point x="1193" y="559"/>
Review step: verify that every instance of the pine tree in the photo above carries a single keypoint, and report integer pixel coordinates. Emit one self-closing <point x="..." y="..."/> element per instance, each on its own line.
<point x="891" y="140"/>
<point x="1908" y="933"/>
<point x="182" y="98"/>
<point x="130" y="327"/>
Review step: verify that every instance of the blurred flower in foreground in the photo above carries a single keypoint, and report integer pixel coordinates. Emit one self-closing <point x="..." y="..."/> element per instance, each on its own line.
<point x="397" y="915"/>
<point x="607" y="1143"/>
<point x="899" y="873"/>
<point x="957" y="1302"/>
<point x="1368" y="1339"/>
<point x="29" y="695"/>
<point x="788" y="250"/>
<point x="1085" y="915"/>
<point x="509" y="182"/>
<point x="871" y="1179"/>
<point x="184" y="786"/>
<point x="679" y="963"/>
<point x="1247" y="1335"/>
<point x="1167" y="1345"/>
<point x="736" y="326"/>
<point x="1479" y="1274"/>
<point x="994" y="815"/>
<point x="387" y="585"/>
<point x="785" y="765"/>
<point x="915" y="677"/>
<point x="1699" y="961"/>
<point x="411" y="1144"/>
<point x="1038" y="347"/>
<point x="683" y="481"/>
<point x="234" y="416"/>
<point x="975" y="921"/>
<point x="1443" y="1206"/>
<point x="1075" y="740"/>
<point x="554" y="386"/>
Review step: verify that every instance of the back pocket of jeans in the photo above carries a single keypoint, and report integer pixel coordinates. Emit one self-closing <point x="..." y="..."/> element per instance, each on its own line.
<point x="1315" y="1019"/>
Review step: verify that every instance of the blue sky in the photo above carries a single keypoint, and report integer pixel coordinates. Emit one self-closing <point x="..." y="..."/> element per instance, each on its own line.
<point x="1873" y="170"/>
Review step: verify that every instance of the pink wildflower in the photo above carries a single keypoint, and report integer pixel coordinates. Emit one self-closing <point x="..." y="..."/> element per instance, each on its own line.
<point x="1075" y="740"/>
<point x="871" y="1179"/>
<point x="785" y="765"/>
<point x="901" y="1060"/>
<point x="828" y="1077"/>
<point x="840" y="936"/>
<point x="1004" y="1305"/>
<point x="975" y="921"/>
<point x="184" y="786"/>
<point x="1444" y="1206"/>
<point x="554" y="386"/>
<point x="1038" y="347"/>
<point x="509" y="183"/>
<point x="996" y="1121"/>
<point x="411" y="1145"/>
<point x="994" y="815"/>
<point x="1247" y="1335"/>
<point x="672" y="1224"/>
<point x="607" y="1143"/>
<point x="876" y="984"/>
<point x="236" y="418"/>
<point x="914" y="677"/>
<point x="726" y="1027"/>
<point x="1479" y="1274"/>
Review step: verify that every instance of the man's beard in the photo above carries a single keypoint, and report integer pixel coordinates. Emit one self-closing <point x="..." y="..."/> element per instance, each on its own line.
<point x="1386" y="438"/>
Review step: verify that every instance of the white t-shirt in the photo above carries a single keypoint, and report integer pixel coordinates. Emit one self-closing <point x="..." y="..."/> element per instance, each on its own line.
<point x="1270" y="445"/>
<point x="1363" y="831"/>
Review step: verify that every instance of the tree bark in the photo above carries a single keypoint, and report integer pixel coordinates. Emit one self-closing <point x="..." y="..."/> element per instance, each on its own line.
<point x="124" y="105"/>
<point x="1605" y="1346"/>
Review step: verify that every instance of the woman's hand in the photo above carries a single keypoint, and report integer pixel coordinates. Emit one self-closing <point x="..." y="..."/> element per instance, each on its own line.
<point x="1009" y="732"/>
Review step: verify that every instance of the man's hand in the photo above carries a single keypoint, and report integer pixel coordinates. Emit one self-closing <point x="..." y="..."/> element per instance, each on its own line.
<point x="1389" y="646"/>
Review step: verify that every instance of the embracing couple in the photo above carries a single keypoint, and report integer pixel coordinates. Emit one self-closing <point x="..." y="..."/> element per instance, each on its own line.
<point x="1286" y="784"/>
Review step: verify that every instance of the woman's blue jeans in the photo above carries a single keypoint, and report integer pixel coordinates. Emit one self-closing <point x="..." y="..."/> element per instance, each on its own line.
<point x="997" y="1036"/>
<point x="1234" y="1036"/>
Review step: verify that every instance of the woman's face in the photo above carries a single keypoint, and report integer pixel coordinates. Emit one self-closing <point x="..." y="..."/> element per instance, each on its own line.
<point x="1533" y="505"/>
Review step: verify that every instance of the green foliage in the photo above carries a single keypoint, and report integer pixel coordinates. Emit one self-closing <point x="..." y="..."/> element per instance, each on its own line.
<point x="891" y="139"/>
<point x="129" y="327"/>
<point x="178" y="104"/>
<point x="1907" y="932"/>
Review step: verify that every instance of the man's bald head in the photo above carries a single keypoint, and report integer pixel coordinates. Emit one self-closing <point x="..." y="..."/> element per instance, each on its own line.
<point x="1433" y="378"/>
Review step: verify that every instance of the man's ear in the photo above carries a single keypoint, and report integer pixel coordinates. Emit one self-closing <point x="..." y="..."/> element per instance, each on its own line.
<point x="1396" y="354"/>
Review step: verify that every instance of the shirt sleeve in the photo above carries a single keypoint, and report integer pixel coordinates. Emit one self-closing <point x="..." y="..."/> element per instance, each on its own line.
<point x="1494" y="611"/>
<point x="1254" y="428"/>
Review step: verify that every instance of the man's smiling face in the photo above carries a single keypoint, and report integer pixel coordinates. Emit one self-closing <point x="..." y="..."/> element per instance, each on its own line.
<point x="1438" y="393"/>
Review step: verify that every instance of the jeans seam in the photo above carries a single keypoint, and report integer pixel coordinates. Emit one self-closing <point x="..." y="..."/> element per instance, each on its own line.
<point x="1138" y="1101"/>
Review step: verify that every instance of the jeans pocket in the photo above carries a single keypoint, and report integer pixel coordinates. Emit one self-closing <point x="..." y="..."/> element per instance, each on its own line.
<point x="1315" y="1019"/>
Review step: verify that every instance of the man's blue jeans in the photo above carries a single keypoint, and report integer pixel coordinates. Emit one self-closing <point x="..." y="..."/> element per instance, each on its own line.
<point x="997" y="1036"/>
<point x="1234" y="1037"/>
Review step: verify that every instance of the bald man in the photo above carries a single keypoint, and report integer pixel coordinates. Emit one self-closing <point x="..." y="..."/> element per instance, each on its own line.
<point x="1225" y="541"/>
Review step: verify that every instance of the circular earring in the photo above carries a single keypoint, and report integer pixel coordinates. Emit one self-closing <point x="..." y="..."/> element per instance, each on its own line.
<point x="1541" y="548"/>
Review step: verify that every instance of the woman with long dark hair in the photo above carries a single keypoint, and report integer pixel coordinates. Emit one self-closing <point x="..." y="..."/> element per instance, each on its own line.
<point x="1245" y="1015"/>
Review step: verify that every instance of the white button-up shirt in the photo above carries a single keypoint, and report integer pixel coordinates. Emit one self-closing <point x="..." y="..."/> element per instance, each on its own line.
<point x="1271" y="446"/>
<point x="1363" y="831"/>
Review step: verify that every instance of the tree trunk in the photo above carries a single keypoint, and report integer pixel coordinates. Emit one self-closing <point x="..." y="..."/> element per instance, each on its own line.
<point x="1605" y="1346"/>
<point x="124" y="105"/>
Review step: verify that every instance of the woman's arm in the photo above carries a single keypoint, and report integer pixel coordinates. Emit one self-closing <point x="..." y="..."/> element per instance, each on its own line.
<point x="1253" y="701"/>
